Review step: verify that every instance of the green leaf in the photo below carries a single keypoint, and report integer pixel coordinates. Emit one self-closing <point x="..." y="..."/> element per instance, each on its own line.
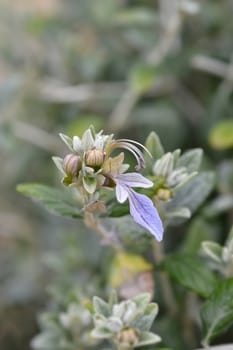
<point x="101" y="333"/>
<point x="113" y="299"/>
<point x="59" y="164"/>
<point x="67" y="140"/>
<point x="142" y="300"/>
<point x="193" y="194"/>
<point x="190" y="272"/>
<point x="225" y="175"/>
<point x="60" y="202"/>
<point x="101" y="307"/>
<point x="221" y="135"/>
<point x="191" y="159"/>
<point x="217" y="313"/>
<point x="147" y="338"/>
<point x="89" y="184"/>
<point x="219" y="206"/>
<point x="145" y="322"/>
<point x="116" y="209"/>
<point x="213" y="250"/>
<point x="198" y="231"/>
<point x="155" y="147"/>
<point x="179" y="213"/>
<point x="44" y="341"/>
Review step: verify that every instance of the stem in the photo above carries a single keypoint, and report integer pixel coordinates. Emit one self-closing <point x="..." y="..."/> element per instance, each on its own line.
<point x="169" y="299"/>
<point x="205" y="345"/>
<point x="169" y="39"/>
<point x="188" y="320"/>
<point x="120" y="347"/>
<point x="108" y="237"/>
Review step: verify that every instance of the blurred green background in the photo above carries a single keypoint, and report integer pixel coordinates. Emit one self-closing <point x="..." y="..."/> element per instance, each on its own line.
<point x="128" y="67"/>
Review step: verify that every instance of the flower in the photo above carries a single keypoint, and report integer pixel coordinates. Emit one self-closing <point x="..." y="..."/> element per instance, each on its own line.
<point x="91" y="155"/>
<point x="141" y="207"/>
<point x="91" y="167"/>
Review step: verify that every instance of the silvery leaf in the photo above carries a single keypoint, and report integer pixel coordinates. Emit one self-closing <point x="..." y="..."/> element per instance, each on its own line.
<point x="101" y="307"/>
<point x="147" y="338"/>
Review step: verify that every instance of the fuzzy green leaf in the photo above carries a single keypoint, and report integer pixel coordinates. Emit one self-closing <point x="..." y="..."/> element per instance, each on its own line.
<point x="89" y="184"/>
<point x="56" y="200"/>
<point x="147" y="338"/>
<point x="193" y="194"/>
<point x="217" y="313"/>
<point x="145" y="322"/>
<point x="142" y="300"/>
<point x="101" y="333"/>
<point x="190" y="272"/>
<point x="191" y="160"/>
<point x="154" y="146"/>
<point x="116" y="209"/>
<point x="213" y="250"/>
<point x="101" y="307"/>
<point x="219" y="205"/>
<point x="198" y="231"/>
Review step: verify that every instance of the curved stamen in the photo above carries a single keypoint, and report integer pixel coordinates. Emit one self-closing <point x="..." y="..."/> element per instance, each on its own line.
<point x="140" y="158"/>
<point x="131" y="148"/>
<point x="136" y="143"/>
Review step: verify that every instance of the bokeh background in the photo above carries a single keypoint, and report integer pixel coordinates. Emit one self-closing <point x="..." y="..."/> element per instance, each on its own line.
<point x="128" y="67"/>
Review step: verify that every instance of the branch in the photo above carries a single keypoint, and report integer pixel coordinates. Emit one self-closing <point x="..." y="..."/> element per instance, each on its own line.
<point x="209" y="65"/>
<point x="170" y="26"/>
<point x="54" y="91"/>
<point x="35" y="136"/>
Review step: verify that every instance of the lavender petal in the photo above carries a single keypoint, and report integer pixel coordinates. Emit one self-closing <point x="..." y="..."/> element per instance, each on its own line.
<point x="134" y="180"/>
<point x="145" y="214"/>
<point x="121" y="193"/>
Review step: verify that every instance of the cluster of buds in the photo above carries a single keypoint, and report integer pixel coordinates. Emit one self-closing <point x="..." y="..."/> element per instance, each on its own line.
<point x="220" y="257"/>
<point x="90" y="167"/>
<point x="127" y="323"/>
<point x="171" y="174"/>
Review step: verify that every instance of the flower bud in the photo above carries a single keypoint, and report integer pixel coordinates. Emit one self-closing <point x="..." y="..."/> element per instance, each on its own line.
<point x="72" y="164"/>
<point x="164" y="194"/>
<point x="128" y="337"/>
<point x="94" y="157"/>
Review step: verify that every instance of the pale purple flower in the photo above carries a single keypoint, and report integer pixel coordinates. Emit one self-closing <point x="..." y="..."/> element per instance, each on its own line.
<point x="141" y="207"/>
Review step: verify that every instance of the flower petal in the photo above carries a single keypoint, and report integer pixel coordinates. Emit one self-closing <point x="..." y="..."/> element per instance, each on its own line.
<point x="67" y="140"/>
<point x="145" y="214"/>
<point x="77" y="145"/>
<point x="134" y="180"/>
<point x="121" y="193"/>
<point x="112" y="166"/>
<point x="87" y="140"/>
<point x="59" y="164"/>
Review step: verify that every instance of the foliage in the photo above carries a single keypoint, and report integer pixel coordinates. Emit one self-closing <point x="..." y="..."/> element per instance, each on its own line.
<point x="155" y="72"/>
